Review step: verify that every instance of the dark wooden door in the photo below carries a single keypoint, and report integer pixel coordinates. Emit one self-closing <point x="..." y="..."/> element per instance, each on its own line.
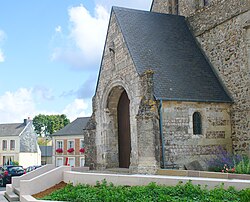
<point x="124" y="140"/>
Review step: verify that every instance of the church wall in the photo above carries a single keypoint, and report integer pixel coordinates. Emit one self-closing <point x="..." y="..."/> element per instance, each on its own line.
<point x="117" y="73"/>
<point x="224" y="37"/>
<point x="181" y="145"/>
<point x="222" y="29"/>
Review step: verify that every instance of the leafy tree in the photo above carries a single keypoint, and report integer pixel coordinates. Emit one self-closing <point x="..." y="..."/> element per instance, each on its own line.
<point x="48" y="124"/>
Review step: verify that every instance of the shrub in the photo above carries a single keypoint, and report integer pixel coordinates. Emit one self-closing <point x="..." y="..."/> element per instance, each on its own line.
<point x="223" y="160"/>
<point x="104" y="191"/>
<point x="243" y="167"/>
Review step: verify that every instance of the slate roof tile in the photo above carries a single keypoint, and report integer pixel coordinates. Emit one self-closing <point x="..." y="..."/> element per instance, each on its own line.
<point x="165" y="44"/>
<point x="74" y="128"/>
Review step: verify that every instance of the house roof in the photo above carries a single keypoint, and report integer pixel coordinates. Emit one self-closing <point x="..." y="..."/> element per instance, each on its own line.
<point x="165" y="44"/>
<point x="46" y="150"/>
<point x="11" y="129"/>
<point x="74" y="128"/>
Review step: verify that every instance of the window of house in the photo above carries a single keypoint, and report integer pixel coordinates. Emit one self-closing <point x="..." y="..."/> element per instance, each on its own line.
<point x="81" y="143"/>
<point x="71" y="144"/>
<point x="12" y="145"/>
<point x="197" y="125"/>
<point x="59" y="144"/>
<point x="4" y="145"/>
<point x="82" y="162"/>
<point x="71" y="161"/>
<point x="59" y="161"/>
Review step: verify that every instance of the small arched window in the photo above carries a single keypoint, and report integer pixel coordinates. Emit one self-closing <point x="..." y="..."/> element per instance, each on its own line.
<point x="197" y="126"/>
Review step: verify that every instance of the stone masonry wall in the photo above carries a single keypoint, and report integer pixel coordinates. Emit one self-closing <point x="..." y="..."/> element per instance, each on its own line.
<point x="89" y="143"/>
<point x="199" y="8"/>
<point x="223" y="34"/>
<point x="181" y="145"/>
<point x="222" y="29"/>
<point x="117" y="73"/>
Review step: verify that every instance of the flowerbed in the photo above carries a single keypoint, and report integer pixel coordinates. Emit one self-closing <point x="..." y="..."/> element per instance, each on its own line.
<point x="152" y="192"/>
<point x="229" y="163"/>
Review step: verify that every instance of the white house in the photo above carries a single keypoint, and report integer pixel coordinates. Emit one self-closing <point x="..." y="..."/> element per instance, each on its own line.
<point x="18" y="142"/>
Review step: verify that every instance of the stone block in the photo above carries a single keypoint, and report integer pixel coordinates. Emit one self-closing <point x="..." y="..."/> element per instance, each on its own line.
<point x="194" y="165"/>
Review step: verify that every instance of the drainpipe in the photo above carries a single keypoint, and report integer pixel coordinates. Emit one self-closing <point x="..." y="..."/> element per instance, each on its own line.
<point x="161" y="135"/>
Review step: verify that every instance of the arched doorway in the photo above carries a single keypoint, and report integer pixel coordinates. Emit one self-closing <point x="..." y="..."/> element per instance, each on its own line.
<point x="124" y="138"/>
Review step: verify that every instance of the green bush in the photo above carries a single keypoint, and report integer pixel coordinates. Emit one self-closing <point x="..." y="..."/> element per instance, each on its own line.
<point x="152" y="192"/>
<point x="243" y="167"/>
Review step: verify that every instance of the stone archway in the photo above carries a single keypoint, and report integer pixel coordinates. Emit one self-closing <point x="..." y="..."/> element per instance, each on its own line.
<point x="124" y="137"/>
<point x="118" y="131"/>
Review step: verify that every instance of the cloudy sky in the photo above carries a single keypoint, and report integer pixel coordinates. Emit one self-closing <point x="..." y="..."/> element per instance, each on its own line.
<point x="50" y="53"/>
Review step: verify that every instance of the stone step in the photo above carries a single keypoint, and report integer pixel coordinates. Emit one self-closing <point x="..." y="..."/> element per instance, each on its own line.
<point x="11" y="196"/>
<point x="120" y="170"/>
<point x="17" y="191"/>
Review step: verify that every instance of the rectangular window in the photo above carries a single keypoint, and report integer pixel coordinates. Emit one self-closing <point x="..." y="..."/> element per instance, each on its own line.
<point x="59" y="144"/>
<point x="12" y="145"/>
<point x="71" y="144"/>
<point x="82" y="161"/>
<point x="4" y="145"/>
<point x="71" y="161"/>
<point x="81" y="143"/>
<point x="59" y="161"/>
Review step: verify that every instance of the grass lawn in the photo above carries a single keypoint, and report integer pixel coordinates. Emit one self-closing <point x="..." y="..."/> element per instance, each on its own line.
<point x="152" y="192"/>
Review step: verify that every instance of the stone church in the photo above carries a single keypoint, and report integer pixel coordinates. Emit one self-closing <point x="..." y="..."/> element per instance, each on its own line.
<point x="173" y="86"/>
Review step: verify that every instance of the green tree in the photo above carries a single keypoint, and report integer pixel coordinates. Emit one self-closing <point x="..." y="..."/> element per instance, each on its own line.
<point x="48" y="124"/>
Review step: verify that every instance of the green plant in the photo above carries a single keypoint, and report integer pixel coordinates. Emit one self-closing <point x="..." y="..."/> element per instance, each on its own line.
<point x="15" y="163"/>
<point x="107" y="192"/>
<point x="243" y="167"/>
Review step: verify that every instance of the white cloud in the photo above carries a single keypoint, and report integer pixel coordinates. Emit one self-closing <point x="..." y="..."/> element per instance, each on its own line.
<point x="78" y="108"/>
<point x="135" y="4"/>
<point x="1" y="56"/>
<point x="2" y="38"/>
<point x="58" y="29"/>
<point x="82" y="47"/>
<point x="18" y="105"/>
<point x="84" y="44"/>
<point x="15" y="106"/>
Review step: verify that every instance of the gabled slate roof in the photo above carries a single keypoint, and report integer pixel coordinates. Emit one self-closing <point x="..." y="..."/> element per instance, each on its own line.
<point x="74" y="128"/>
<point x="165" y="44"/>
<point x="11" y="129"/>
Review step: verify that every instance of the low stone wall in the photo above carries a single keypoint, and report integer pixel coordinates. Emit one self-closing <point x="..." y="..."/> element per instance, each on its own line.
<point x="43" y="182"/>
<point x="173" y="178"/>
<point x="32" y="174"/>
<point x="134" y="180"/>
<point x="204" y="174"/>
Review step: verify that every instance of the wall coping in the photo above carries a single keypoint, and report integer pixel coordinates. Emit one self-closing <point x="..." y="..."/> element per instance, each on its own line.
<point x="205" y="174"/>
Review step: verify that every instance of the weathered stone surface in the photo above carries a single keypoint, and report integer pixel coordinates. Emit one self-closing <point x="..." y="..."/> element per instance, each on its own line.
<point x="181" y="145"/>
<point x="118" y="73"/>
<point x="222" y="29"/>
<point x="194" y="165"/>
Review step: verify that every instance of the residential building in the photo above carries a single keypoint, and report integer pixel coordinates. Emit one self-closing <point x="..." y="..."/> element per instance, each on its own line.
<point x="46" y="154"/>
<point x="68" y="144"/>
<point x="18" y="142"/>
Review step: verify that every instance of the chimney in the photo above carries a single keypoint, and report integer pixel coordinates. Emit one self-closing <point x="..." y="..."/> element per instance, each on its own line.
<point x="26" y="121"/>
